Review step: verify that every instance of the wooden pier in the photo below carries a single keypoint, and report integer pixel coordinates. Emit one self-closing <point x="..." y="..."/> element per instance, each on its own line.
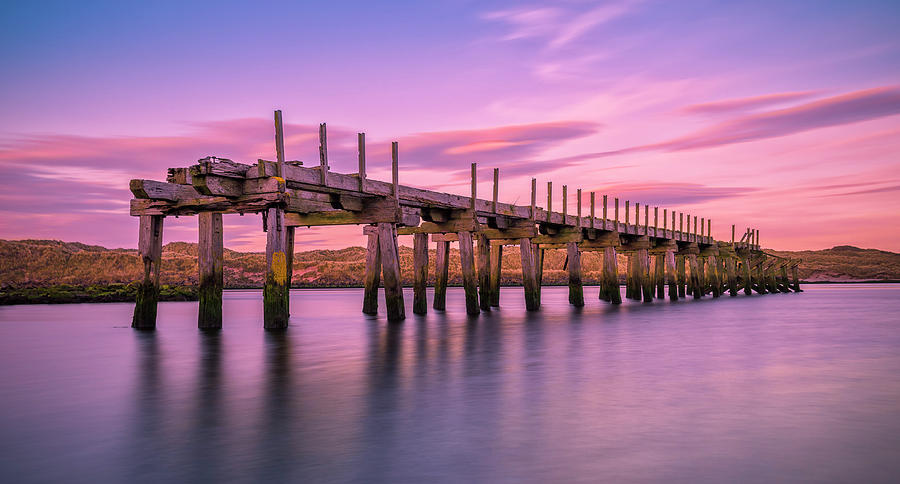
<point x="683" y="259"/>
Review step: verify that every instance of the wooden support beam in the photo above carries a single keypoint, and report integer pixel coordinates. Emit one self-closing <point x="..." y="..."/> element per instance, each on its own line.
<point x="748" y="279"/>
<point x="616" y="227"/>
<point x="578" y="210"/>
<point x="565" y="204"/>
<point x="646" y="283"/>
<point x="610" y="279"/>
<point x="496" y="267"/>
<point x="681" y="275"/>
<point x="441" y="273"/>
<point x="713" y="276"/>
<point x="671" y="275"/>
<point x="592" y="208"/>
<point x="627" y="215"/>
<point x="660" y="271"/>
<point x="576" y="290"/>
<point x="470" y="284"/>
<point x="420" y="273"/>
<point x="529" y="275"/>
<point x="539" y="269"/>
<point x="484" y="271"/>
<point x="276" y="295"/>
<point x="210" y="250"/>
<point x="395" y="171"/>
<point x="695" y="278"/>
<point x="795" y="273"/>
<point x="155" y="190"/>
<point x="646" y="220"/>
<point x="150" y="251"/>
<point x="532" y="213"/>
<point x="474" y="188"/>
<point x="730" y="264"/>
<point x="549" y="199"/>
<point x="390" y="264"/>
<point x="373" y="272"/>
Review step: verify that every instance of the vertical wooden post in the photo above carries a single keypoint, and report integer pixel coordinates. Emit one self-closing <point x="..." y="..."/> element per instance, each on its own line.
<point x="578" y="210"/>
<point x="795" y="273"/>
<point x="701" y="276"/>
<point x="496" y="267"/>
<point x="709" y="231"/>
<point x="496" y="189"/>
<point x="395" y="171"/>
<point x="637" y="218"/>
<point x="533" y="197"/>
<point x="604" y="213"/>
<point x="593" y="200"/>
<point x="539" y="269"/>
<point x="713" y="276"/>
<point x="681" y="224"/>
<point x="627" y="215"/>
<point x="646" y="283"/>
<point x="617" y="214"/>
<point x="390" y="266"/>
<point x="702" y="226"/>
<point x="660" y="279"/>
<point x="467" y="262"/>
<point x="732" y="279"/>
<point x="695" y="276"/>
<point x="785" y="283"/>
<point x="289" y="259"/>
<point x="484" y="271"/>
<point x="673" y="224"/>
<point x="276" y="309"/>
<point x="323" y="155"/>
<point x="695" y="228"/>
<point x="671" y="275"/>
<point x="211" y="252"/>
<point x="565" y="204"/>
<point x="611" y="276"/>
<point x="647" y="220"/>
<point x="576" y="291"/>
<point x="474" y="188"/>
<point x="549" y="199"/>
<point x="665" y="223"/>
<point x="748" y="280"/>
<point x="420" y="273"/>
<point x="279" y="144"/>
<point x="441" y="273"/>
<point x="529" y="275"/>
<point x="732" y="235"/>
<point x="361" y="149"/>
<point x="150" y="250"/>
<point x="681" y="276"/>
<point x="655" y="220"/>
<point x="629" y="274"/>
<point x="373" y="272"/>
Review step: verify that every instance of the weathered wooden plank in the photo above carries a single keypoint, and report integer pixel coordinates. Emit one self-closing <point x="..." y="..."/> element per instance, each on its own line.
<point x="156" y="190"/>
<point x="150" y="250"/>
<point x="276" y="296"/>
<point x="467" y="262"/>
<point x="441" y="272"/>
<point x="496" y="267"/>
<point x="373" y="273"/>
<point x="576" y="290"/>
<point x="210" y="261"/>
<point x="420" y="273"/>
<point x="529" y="275"/>
<point x="390" y="264"/>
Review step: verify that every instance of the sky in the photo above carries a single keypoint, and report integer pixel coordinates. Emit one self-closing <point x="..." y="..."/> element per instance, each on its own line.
<point x="782" y="116"/>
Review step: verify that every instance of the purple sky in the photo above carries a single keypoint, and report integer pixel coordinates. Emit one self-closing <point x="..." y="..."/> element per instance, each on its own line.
<point x="783" y="116"/>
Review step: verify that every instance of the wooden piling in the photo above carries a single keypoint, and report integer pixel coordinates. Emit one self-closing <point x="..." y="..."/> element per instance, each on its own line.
<point x="150" y="250"/>
<point x="279" y="144"/>
<point x="529" y="275"/>
<point x="713" y="276"/>
<point x="373" y="272"/>
<point x="496" y="267"/>
<point x="732" y="277"/>
<point x="441" y="273"/>
<point x="484" y="271"/>
<point x="539" y="269"/>
<point x="646" y="283"/>
<point x="470" y="283"/>
<point x="610" y="276"/>
<point x="361" y="152"/>
<point x="323" y="155"/>
<point x="748" y="280"/>
<point x="795" y="273"/>
<point x="210" y="260"/>
<point x="576" y="291"/>
<point x="629" y="275"/>
<point x="420" y="273"/>
<point x="660" y="271"/>
<point x="671" y="275"/>
<point x="695" y="287"/>
<point x="276" y="292"/>
<point x="390" y="268"/>
<point x="681" y="276"/>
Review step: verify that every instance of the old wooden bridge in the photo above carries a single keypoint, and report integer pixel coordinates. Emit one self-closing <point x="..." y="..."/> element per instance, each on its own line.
<point x="665" y="250"/>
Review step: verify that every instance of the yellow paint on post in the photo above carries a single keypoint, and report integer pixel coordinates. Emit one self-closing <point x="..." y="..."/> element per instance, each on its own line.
<point x="279" y="268"/>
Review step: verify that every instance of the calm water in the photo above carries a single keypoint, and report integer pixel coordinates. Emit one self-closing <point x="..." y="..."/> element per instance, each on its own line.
<point x="787" y="387"/>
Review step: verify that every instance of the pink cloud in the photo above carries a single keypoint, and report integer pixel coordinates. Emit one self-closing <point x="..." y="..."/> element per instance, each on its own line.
<point x="746" y="103"/>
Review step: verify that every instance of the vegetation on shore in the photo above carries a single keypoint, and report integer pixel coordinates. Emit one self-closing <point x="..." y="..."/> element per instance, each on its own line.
<point x="43" y="271"/>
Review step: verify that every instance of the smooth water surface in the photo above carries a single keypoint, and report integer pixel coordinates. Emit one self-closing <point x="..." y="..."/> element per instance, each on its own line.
<point x="783" y="387"/>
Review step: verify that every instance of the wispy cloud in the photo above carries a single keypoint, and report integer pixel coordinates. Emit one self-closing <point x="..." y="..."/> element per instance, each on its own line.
<point x="672" y="194"/>
<point x="558" y="27"/>
<point x="746" y="103"/>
